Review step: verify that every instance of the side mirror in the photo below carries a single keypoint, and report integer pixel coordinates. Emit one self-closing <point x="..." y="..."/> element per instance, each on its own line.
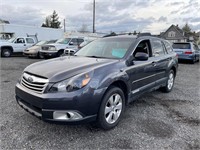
<point x="71" y="43"/>
<point x="141" y="56"/>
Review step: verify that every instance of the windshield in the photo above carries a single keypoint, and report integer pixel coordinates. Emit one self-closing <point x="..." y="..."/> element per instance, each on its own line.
<point x="106" y="48"/>
<point x="41" y="43"/>
<point x="63" y="41"/>
<point x="181" y="46"/>
<point x="11" y="40"/>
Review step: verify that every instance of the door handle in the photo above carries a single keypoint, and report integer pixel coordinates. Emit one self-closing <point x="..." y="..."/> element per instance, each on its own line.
<point x="154" y="63"/>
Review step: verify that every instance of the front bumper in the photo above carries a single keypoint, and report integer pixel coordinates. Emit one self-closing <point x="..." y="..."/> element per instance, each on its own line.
<point x="48" y="53"/>
<point x="85" y="101"/>
<point x="30" y="54"/>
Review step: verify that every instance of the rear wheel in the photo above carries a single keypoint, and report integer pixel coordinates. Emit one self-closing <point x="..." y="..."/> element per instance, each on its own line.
<point x="192" y="61"/>
<point x="170" y="82"/>
<point x="112" y="108"/>
<point x="6" y="52"/>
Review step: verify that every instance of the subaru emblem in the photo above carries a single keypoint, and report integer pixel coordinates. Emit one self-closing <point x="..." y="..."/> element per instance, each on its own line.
<point x="30" y="79"/>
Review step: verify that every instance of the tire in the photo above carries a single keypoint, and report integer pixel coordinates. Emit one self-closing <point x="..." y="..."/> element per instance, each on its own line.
<point x="39" y="56"/>
<point x="170" y="82"/>
<point x="6" y="52"/>
<point x="193" y="60"/>
<point x="111" y="109"/>
<point x="60" y="53"/>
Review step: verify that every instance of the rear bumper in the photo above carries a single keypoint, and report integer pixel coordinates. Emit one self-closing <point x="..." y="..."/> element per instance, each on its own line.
<point x="44" y="105"/>
<point x="185" y="57"/>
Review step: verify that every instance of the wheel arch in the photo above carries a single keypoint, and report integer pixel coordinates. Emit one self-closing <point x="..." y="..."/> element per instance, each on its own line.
<point x="174" y="69"/>
<point x="122" y="85"/>
<point x="9" y="47"/>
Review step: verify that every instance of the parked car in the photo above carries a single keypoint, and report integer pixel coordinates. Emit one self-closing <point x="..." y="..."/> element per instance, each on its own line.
<point x="72" y="51"/>
<point x="187" y="51"/>
<point x="57" y="49"/>
<point x="98" y="81"/>
<point x="34" y="50"/>
<point x="16" y="45"/>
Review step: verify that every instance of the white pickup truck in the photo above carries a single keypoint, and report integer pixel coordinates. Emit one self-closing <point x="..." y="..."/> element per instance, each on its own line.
<point x="16" y="45"/>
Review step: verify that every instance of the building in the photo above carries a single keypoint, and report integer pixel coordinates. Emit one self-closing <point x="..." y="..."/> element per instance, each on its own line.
<point x="174" y="34"/>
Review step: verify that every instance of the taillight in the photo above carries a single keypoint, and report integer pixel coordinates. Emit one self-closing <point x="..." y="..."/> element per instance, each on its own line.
<point x="188" y="52"/>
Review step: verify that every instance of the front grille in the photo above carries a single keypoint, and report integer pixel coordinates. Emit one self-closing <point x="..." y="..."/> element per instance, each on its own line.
<point x="45" y="47"/>
<point x="70" y="52"/>
<point x="34" y="83"/>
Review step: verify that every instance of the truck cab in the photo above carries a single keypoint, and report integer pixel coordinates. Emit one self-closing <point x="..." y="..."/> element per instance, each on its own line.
<point x="16" y="45"/>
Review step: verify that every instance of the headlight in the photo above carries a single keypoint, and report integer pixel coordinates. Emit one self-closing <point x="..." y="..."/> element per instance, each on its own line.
<point x="52" y="48"/>
<point x="72" y="84"/>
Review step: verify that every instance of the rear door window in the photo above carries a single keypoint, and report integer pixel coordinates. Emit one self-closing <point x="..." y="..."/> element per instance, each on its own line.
<point x="75" y="41"/>
<point x="157" y="47"/>
<point x="80" y="41"/>
<point x="181" y="46"/>
<point x="168" y="47"/>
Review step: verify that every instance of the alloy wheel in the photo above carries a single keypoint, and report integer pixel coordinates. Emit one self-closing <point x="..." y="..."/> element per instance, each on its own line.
<point x="113" y="108"/>
<point x="170" y="81"/>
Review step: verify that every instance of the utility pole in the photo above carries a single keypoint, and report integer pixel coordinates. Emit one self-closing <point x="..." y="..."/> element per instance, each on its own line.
<point x="93" y="16"/>
<point x="64" y="25"/>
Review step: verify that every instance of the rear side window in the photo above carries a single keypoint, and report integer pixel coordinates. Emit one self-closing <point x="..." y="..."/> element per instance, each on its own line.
<point x="168" y="47"/>
<point x="157" y="47"/>
<point x="80" y="41"/>
<point x="181" y="46"/>
<point x="75" y="41"/>
<point x="29" y="40"/>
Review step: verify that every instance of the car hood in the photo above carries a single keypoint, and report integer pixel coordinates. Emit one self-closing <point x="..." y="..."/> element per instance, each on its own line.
<point x="34" y="47"/>
<point x="57" y="45"/>
<point x="2" y="43"/>
<point x="65" y="67"/>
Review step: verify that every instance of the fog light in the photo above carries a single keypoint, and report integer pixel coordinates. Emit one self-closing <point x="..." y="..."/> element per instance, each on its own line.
<point x="66" y="115"/>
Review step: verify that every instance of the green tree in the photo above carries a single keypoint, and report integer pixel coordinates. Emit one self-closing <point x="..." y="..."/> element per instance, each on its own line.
<point x="186" y="28"/>
<point x="47" y="22"/>
<point x="52" y="21"/>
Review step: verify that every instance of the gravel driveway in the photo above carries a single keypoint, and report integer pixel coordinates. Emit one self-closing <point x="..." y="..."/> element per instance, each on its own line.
<point x="155" y="121"/>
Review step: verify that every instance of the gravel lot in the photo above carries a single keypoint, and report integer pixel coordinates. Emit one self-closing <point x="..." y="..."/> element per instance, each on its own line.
<point x="155" y="121"/>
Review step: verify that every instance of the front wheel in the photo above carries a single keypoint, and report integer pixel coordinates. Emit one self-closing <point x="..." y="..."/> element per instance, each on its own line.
<point x="60" y="53"/>
<point x="170" y="82"/>
<point x="6" y="52"/>
<point x="111" y="109"/>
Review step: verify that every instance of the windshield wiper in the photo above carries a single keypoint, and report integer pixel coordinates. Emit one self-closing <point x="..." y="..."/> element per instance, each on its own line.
<point x="95" y="56"/>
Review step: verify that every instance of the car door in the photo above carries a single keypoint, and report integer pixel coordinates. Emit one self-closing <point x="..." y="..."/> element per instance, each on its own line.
<point x="19" y="45"/>
<point x="160" y="60"/>
<point x="141" y="73"/>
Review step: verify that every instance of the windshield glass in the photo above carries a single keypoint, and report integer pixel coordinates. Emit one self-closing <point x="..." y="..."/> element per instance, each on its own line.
<point x="181" y="46"/>
<point x="41" y="43"/>
<point x="63" y="41"/>
<point x="106" y="48"/>
<point x="11" y="40"/>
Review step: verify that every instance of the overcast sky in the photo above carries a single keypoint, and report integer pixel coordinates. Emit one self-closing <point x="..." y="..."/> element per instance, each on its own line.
<point x="152" y="16"/>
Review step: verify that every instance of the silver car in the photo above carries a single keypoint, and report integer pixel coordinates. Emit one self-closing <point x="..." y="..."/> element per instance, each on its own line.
<point x="187" y="51"/>
<point x="34" y="50"/>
